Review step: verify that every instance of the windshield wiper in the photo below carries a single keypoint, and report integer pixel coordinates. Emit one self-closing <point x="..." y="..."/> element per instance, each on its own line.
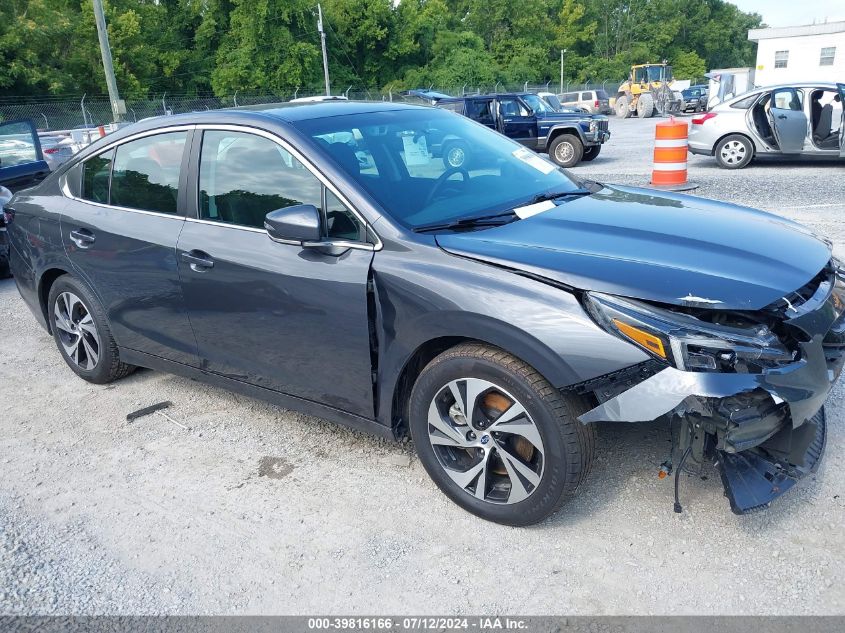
<point x="494" y="219"/>
<point x="554" y="195"/>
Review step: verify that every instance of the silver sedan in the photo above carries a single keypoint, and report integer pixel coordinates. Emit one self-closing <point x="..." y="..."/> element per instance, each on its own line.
<point x="802" y="119"/>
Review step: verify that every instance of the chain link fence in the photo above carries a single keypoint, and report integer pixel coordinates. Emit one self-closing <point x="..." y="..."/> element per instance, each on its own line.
<point x="67" y="113"/>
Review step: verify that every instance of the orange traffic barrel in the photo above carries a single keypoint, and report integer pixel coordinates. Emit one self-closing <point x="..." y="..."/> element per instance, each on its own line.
<point x="670" y="156"/>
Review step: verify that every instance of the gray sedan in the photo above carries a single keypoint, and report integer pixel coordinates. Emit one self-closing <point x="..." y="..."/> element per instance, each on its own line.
<point x="803" y="119"/>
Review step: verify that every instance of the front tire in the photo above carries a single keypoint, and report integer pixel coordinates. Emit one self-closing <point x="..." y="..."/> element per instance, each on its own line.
<point x="590" y="153"/>
<point x="645" y="106"/>
<point x="566" y="150"/>
<point x="82" y="332"/>
<point x="496" y="437"/>
<point x="734" y="152"/>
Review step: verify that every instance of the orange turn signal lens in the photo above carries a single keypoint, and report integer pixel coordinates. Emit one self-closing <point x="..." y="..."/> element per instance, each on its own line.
<point x="649" y="341"/>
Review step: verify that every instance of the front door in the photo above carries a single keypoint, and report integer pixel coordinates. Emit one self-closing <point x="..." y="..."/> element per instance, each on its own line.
<point x="788" y="121"/>
<point x="517" y="121"/>
<point x="21" y="161"/>
<point x="272" y="314"/>
<point x="841" y="88"/>
<point x="120" y="234"/>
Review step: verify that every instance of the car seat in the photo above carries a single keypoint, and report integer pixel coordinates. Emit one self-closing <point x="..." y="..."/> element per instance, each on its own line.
<point x="822" y="135"/>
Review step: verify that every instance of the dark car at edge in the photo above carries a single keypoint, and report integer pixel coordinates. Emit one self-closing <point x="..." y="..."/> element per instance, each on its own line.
<point x="566" y="137"/>
<point x="325" y="258"/>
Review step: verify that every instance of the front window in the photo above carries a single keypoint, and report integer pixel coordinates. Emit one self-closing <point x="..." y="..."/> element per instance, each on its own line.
<point x="243" y="177"/>
<point x="433" y="166"/>
<point x="828" y="56"/>
<point x="781" y="59"/>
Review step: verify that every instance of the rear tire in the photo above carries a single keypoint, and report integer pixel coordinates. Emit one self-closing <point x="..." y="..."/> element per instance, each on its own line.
<point x="566" y="150"/>
<point x="82" y="333"/>
<point x="622" y="109"/>
<point x="734" y="152"/>
<point x="516" y="473"/>
<point x="590" y="153"/>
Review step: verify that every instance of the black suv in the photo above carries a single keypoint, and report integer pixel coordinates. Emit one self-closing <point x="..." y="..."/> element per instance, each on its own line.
<point x="567" y="137"/>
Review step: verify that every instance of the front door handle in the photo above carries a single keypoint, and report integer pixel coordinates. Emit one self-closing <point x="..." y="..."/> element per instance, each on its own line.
<point x="781" y="116"/>
<point x="198" y="260"/>
<point x="83" y="238"/>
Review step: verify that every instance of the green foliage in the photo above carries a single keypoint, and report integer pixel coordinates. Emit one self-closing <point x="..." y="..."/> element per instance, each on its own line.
<point x="688" y="65"/>
<point x="272" y="46"/>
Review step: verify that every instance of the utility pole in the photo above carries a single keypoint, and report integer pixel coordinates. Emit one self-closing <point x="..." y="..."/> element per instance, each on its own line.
<point x="118" y="108"/>
<point x="323" y="44"/>
<point x="562" y="51"/>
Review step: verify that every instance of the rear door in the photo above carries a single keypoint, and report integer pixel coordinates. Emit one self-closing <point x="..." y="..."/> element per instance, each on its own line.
<point x="21" y="160"/>
<point x="841" y="88"/>
<point x="788" y="121"/>
<point x="120" y="228"/>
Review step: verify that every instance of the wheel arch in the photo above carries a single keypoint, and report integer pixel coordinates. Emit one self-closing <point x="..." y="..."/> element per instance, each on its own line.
<point x="557" y="130"/>
<point x="519" y="344"/>
<point x="743" y="134"/>
<point x="45" y="283"/>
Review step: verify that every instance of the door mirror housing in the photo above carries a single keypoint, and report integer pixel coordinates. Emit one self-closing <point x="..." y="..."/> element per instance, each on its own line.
<point x="294" y="225"/>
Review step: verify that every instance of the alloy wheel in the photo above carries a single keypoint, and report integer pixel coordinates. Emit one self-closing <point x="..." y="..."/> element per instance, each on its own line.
<point x="732" y="152"/>
<point x="76" y="330"/>
<point x="564" y="152"/>
<point x="486" y="441"/>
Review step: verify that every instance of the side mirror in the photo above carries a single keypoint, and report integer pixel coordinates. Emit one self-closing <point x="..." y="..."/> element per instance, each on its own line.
<point x="294" y="225"/>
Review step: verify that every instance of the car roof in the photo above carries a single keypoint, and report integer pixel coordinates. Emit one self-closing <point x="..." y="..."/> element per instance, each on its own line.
<point x="827" y="85"/>
<point x="279" y="112"/>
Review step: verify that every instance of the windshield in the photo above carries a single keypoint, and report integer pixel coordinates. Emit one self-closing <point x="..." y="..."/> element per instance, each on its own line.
<point x="537" y="104"/>
<point x="427" y="166"/>
<point x="659" y="73"/>
<point x="553" y="101"/>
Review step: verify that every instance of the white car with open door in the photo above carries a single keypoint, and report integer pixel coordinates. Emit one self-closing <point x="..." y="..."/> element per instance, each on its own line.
<point x="803" y="119"/>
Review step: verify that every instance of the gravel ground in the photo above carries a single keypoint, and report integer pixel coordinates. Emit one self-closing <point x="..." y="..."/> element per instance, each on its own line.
<point x="255" y="509"/>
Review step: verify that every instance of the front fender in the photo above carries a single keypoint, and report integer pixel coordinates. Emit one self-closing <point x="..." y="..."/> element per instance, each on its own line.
<point x="430" y="295"/>
<point x="563" y="128"/>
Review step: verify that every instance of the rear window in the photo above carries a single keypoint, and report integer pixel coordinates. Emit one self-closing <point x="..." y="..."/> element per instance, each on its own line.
<point x="95" y="177"/>
<point x="747" y="102"/>
<point x="601" y="94"/>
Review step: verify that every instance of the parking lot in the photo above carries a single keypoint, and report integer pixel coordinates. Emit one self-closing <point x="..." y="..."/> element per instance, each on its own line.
<point x="243" y="507"/>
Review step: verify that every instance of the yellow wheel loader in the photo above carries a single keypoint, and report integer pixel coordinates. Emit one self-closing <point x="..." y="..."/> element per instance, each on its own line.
<point x="647" y="92"/>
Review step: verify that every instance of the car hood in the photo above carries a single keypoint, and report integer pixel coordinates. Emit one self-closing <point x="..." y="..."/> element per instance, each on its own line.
<point x="656" y="246"/>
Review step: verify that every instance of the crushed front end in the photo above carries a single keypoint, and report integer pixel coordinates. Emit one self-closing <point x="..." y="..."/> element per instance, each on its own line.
<point x="743" y="389"/>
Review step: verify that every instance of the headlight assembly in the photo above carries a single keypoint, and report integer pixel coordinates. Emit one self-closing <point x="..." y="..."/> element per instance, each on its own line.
<point x="686" y="342"/>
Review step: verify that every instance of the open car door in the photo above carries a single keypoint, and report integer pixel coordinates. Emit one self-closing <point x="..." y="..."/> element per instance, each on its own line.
<point x="21" y="161"/>
<point x="841" y="88"/>
<point x="788" y="121"/>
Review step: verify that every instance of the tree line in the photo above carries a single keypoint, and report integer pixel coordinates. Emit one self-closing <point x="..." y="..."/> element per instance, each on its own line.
<point x="49" y="47"/>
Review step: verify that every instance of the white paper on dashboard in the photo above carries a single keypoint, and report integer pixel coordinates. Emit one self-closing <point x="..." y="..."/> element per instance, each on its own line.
<point x="416" y="153"/>
<point x="533" y="209"/>
<point x="530" y="158"/>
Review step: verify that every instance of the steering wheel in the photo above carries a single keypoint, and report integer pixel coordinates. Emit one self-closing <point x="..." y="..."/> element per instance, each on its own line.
<point x="442" y="179"/>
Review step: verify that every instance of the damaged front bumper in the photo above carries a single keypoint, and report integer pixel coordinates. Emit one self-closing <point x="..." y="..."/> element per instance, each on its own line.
<point x="765" y="430"/>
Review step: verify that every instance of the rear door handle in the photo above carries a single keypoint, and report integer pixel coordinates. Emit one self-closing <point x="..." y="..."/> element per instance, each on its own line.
<point x="198" y="260"/>
<point x="83" y="238"/>
<point x="781" y="116"/>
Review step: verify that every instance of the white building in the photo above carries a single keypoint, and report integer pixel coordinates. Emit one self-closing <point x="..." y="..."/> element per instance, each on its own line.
<point x="800" y="53"/>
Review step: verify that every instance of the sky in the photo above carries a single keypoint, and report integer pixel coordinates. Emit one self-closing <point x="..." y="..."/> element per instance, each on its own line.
<point x="794" y="12"/>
